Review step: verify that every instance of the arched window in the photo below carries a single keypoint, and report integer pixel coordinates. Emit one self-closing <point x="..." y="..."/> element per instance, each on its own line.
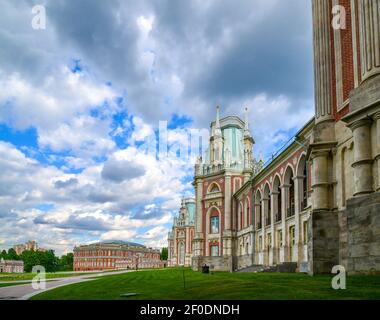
<point x="258" y="210"/>
<point x="291" y="210"/>
<point x="241" y="216"/>
<point x="268" y="208"/>
<point x="290" y="200"/>
<point x="214" y="188"/>
<point x="247" y="222"/>
<point x="305" y="187"/>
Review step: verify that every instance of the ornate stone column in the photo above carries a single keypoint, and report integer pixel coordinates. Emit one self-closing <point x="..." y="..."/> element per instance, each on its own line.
<point x="298" y="188"/>
<point x="322" y="60"/>
<point x="321" y="182"/>
<point x="257" y="248"/>
<point x="199" y="236"/>
<point x="227" y="233"/>
<point x="369" y="20"/>
<point x="363" y="161"/>
<point x="264" y="210"/>
<point x="376" y="118"/>
<point x="273" y="199"/>
<point x="284" y="205"/>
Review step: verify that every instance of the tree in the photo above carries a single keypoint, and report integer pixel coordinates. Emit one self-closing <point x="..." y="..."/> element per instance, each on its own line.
<point x="12" y="255"/>
<point x="30" y="260"/>
<point x="164" y="254"/>
<point x="47" y="259"/>
<point x="66" y="262"/>
<point x="3" y="254"/>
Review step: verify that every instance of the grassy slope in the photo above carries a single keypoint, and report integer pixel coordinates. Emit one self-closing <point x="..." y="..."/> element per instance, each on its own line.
<point x="168" y="284"/>
<point x="52" y="275"/>
<point x="2" y="285"/>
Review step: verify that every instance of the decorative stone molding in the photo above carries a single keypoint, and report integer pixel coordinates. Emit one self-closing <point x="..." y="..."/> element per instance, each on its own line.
<point x="369" y="17"/>
<point x="322" y="60"/>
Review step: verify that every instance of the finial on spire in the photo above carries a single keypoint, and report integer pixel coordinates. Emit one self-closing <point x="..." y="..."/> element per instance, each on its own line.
<point x="218" y="132"/>
<point x="246" y="119"/>
<point x="246" y="124"/>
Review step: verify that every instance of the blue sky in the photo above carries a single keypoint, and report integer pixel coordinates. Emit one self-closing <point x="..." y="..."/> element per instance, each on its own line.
<point x="81" y="101"/>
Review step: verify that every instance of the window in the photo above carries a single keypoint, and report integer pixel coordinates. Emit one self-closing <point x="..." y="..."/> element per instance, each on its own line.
<point x="215" y="250"/>
<point x="260" y="243"/>
<point x="292" y="237"/>
<point x="291" y="208"/>
<point x="214" y="188"/>
<point x="279" y="238"/>
<point x="247" y="214"/>
<point x="305" y="238"/>
<point x="269" y="240"/>
<point x="305" y="188"/>
<point x="215" y="224"/>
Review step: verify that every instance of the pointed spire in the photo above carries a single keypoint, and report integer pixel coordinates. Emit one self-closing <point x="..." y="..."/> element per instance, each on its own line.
<point x="246" y="124"/>
<point x="217" y="131"/>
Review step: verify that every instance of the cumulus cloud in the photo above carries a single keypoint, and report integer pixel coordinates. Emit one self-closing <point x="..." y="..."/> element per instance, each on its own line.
<point x="65" y="184"/>
<point x="119" y="171"/>
<point x="94" y="86"/>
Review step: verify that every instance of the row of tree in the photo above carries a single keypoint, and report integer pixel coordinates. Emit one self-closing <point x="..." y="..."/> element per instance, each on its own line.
<point x="47" y="259"/>
<point x="164" y="254"/>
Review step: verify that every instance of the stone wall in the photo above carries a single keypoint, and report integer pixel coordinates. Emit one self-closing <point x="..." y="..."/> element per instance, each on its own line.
<point x="323" y="244"/>
<point x="244" y="261"/>
<point x="343" y="239"/>
<point x="224" y="263"/>
<point x="363" y="225"/>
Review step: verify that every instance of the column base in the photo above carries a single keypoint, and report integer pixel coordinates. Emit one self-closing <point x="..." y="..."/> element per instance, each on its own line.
<point x="323" y="244"/>
<point x="363" y="242"/>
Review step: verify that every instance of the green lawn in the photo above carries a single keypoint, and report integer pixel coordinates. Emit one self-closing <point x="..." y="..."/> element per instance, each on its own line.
<point x="30" y="275"/>
<point x="12" y="284"/>
<point x="168" y="284"/>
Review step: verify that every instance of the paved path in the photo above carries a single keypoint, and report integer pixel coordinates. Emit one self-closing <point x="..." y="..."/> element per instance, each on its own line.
<point x="26" y="291"/>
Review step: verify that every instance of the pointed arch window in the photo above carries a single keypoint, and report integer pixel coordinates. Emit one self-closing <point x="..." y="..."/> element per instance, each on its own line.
<point x="214" y="188"/>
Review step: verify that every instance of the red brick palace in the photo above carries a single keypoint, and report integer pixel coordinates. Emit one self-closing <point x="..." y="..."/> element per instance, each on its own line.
<point x="115" y="255"/>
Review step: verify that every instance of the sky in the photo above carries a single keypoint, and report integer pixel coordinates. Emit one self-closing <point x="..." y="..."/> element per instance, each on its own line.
<point x="82" y="101"/>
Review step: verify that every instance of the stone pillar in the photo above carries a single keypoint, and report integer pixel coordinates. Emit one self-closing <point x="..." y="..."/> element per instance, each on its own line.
<point x="363" y="161"/>
<point x="227" y="202"/>
<point x="273" y="199"/>
<point x="369" y="20"/>
<point x="199" y="236"/>
<point x="322" y="60"/>
<point x="377" y="119"/>
<point x="227" y="233"/>
<point x="264" y="209"/>
<point x="298" y="190"/>
<point x="284" y="204"/>
<point x="266" y="215"/>
<point x="321" y="180"/>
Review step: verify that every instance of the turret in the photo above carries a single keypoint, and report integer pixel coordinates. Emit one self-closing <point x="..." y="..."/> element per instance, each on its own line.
<point x="216" y="141"/>
<point x="248" y="144"/>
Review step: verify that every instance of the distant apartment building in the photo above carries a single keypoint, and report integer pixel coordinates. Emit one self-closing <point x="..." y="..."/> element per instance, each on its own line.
<point x="30" y="245"/>
<point x="11" y="266"/>
<point x="115" y="255"/>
